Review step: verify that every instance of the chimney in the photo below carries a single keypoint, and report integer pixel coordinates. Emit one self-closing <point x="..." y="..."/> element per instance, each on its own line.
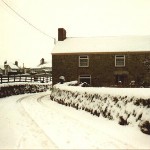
<point x="16" y="63"/>
<point x="42" y="61"/>
<point x="5" y="62"/>
<point x="61" y="34"/>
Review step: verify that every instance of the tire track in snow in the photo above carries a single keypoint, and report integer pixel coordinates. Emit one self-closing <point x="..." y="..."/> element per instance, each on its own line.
<point x="113" y="142"/>
<point x="22" y="98"/>
<point x="39" y="100"/>
<point x="34" y="127"/>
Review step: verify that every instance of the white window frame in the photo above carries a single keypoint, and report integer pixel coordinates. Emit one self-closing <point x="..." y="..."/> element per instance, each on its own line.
<point x="84" y="77"/>
<point x="119" y="57"/>
<point x="84" y="57"/>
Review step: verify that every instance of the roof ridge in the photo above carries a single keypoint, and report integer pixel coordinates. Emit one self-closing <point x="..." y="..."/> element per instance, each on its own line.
<point x="112" y="36"/>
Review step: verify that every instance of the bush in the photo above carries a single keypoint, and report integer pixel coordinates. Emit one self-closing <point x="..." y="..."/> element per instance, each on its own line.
<point x="125" y="109"/>
<point x="17" y="89"/>
<point x="145" y="127"/>
<point x="122" y="121"/>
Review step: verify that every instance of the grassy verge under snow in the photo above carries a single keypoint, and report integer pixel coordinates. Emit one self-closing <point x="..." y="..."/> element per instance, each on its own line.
<point x="128" y="106"/>
<point x="9" y="89"/>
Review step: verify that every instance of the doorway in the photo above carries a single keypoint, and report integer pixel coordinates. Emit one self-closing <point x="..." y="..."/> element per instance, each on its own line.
<point x="121" y="79"/>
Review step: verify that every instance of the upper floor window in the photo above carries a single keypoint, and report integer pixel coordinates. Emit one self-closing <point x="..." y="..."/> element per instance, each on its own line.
<point x="84" y="61"/>
<point x="120" y="60"/>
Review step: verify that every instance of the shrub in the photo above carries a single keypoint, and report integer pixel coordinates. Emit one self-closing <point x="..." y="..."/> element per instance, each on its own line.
<point x="122" y="121"/>
<point x="145" y="127"/>
<point x="12" y="89"/>
<point x="124" y="108"/>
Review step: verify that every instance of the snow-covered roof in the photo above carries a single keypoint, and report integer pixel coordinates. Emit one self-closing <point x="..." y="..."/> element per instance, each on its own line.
<point x="45" y="65"/>
<point x="12" y="66"/>
<point x="2" y="67"/>
<point x="103" y="44"/>
<point x="47" y="70"/>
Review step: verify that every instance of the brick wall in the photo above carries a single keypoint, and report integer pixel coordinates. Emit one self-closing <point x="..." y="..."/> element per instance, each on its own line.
<point x="101" y="68"/>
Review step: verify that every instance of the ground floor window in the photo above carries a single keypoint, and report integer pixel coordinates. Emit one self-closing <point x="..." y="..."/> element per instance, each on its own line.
<point x="85" y="78"/>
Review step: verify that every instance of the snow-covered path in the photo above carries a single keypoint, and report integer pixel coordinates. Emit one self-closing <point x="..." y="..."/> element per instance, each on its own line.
<point x="33" y="121"/>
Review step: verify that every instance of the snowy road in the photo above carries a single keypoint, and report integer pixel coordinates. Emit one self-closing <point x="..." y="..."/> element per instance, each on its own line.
<point x="33" y="121"/>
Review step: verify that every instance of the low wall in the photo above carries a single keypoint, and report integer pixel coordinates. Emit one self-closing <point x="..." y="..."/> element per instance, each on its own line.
<point x="126" y="106"/>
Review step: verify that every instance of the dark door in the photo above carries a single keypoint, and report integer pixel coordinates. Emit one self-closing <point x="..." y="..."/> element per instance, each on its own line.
<point x="121" y="80"/>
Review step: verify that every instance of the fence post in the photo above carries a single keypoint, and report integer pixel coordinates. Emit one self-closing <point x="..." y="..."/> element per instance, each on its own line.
<point x="14" y="77"/>
<point x="8" y="78"/>
<point x="20" y="78"/>
<point x="1" y="78"/>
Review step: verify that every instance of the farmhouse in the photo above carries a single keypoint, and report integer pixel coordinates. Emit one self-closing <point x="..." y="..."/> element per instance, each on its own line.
<point x="102" y="61"/>
<point x="11" y="68"/>
<point x="44" y="68"/>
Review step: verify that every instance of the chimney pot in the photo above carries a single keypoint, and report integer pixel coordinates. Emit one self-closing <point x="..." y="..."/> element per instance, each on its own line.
<point x="16" y="63"/>
<point x="42" y="61"/>
<point x="5" y="62"/>
<point x="61" y="34"/>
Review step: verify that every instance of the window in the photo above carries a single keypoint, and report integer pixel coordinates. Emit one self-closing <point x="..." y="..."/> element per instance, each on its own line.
<point x="120" y="60"/>
<point x="83" y="61"/>
<point x="85" y="78"/>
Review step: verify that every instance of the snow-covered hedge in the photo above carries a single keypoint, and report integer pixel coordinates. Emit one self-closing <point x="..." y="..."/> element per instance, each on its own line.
<point x="125" y="105"/>
<point x="9" y="89"/>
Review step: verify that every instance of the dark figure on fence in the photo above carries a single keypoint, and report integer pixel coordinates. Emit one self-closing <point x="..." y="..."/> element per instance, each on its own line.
<point x="61" y="79"/>
<point x="132" y="84"/>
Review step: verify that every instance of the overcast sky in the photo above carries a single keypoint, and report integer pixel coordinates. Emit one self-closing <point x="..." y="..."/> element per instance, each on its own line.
<point x="20" y="41"/>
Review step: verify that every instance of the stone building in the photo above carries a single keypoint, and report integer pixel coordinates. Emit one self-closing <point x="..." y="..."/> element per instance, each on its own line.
<point x="11" y="68"/>
<point x="102" y="61"/>
<point x="44" y="68"/>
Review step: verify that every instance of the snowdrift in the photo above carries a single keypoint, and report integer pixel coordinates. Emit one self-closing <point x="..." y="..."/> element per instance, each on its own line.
<point x="127" y="106"/>
<point x="9" y="89"/>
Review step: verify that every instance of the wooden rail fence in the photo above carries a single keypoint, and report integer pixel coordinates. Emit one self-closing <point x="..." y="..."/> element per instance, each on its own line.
<point x="24" y="78"/>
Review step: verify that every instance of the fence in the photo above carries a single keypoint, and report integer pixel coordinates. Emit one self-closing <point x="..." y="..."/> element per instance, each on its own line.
<point x="24" y="78"/>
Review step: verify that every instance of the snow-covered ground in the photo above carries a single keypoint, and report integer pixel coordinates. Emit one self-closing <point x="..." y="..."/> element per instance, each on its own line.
<point x="34" y="121"/>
